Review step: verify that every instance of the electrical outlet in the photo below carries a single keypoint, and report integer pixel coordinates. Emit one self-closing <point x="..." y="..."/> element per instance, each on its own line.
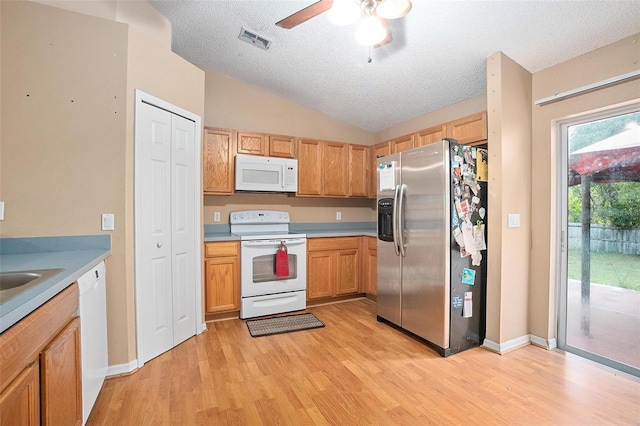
<point x="216" y="216"/>
<point x="108" y="222"/>
<point x="513" y="220"/>
<point x="338" y="215"/>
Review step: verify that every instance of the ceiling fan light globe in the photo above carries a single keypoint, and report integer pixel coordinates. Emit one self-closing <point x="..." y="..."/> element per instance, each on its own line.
<point x="393" y="9"/>
<point x="370" y="31"/>
<point x="343" y="12"/>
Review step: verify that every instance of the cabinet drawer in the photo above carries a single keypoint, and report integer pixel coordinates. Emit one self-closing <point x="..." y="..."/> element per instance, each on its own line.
<point x="228" y="248"/>
<point x="340" y="243"/>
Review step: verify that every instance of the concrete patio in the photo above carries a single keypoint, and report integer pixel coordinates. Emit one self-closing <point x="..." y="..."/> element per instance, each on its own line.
<point x="614" y="322"/>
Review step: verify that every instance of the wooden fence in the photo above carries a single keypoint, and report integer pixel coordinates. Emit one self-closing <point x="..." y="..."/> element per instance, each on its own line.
<point x="606" y="239"/>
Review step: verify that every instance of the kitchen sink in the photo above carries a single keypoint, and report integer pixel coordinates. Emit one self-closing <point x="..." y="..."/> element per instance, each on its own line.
<point x="12" y="283"/>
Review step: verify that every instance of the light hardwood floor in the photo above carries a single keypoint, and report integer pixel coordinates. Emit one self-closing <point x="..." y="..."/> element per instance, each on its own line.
<point x="356" y="371"/>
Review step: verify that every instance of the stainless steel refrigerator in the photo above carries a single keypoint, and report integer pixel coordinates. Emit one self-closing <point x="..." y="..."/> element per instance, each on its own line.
<point x="432" y="258"/>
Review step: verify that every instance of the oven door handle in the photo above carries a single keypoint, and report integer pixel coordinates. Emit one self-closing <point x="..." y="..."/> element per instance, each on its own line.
<point x="274" y="243"/>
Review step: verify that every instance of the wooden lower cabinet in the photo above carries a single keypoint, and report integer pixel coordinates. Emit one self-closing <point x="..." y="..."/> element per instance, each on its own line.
<point x="40" y="365"/>
<point x="370" y="265"/>
<point x="222" y="277"/>
<point x="333" y="267"/>
<point x="61" y="378"/>
<point x="20" y="401"/>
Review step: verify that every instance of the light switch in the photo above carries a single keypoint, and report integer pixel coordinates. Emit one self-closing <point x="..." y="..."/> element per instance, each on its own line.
<point x="1" y="210"/>
<point x="216" y="216"/>
<point x="513" y="220"/>
<point x="108" y="222"/>
<point x="338" y="215"/>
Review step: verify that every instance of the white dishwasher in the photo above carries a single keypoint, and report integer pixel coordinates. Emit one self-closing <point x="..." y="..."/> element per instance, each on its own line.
<point x="93" y="335"/>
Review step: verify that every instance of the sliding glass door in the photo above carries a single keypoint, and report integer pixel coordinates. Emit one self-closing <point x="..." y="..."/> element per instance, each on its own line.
<point x="599" y="300"/>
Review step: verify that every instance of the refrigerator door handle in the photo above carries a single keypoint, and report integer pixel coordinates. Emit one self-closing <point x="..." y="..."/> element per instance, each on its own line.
<point x="400" y="222"/>
<point x="394" y="220"/>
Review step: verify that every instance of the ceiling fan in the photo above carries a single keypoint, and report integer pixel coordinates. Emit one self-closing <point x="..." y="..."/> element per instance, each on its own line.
<point x="373" y="29"/>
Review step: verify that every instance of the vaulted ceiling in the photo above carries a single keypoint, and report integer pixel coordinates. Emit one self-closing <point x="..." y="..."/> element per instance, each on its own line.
<point x="437" y="56"/>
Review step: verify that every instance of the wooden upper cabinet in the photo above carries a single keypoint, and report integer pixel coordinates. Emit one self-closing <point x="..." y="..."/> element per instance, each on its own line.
<point x="253" y="143"/>
<point x="403" y="143"/>
<point x="335" y="173"/>
<point x="282" y="146"/>
<point x="381" y="149"/>
<point x="218" y="167"/>
<point x="468" y="130"/>
<point x="266" y="145"/>
<point x="309" y="167"/>
<point x="358" y="170"/>
<point x="430" y="135"/>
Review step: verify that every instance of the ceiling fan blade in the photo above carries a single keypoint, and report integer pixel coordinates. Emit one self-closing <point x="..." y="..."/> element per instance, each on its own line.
<point x="389" y="38"/>
<point x="305" y="14"/>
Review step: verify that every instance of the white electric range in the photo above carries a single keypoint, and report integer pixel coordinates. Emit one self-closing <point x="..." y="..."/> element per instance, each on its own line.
<point x="262" y="293"/>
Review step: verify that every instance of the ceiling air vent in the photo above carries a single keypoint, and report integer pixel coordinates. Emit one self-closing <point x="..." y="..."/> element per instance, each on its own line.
<point x="254" y="39"/>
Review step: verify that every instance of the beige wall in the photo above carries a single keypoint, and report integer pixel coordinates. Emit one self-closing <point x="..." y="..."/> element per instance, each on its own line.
<point x="236" y="105"/>
<point x="443" y="115"/>
<point x="509" y="131"/>
<point x="138" y="14"/>
<point x="301" y="210"/>
<point x="610" y="61"/>
<point x="64" y="105"/>
<point x="67" y="148"/>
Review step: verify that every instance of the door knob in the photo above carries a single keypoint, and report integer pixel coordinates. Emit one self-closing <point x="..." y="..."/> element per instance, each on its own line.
<point x="159" y="244"/>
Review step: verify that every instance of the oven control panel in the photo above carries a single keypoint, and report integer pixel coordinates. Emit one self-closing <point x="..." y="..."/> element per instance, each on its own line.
<point x="258" y="217"/>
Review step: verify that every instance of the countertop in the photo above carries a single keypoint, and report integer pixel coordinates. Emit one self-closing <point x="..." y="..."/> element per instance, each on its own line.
<point x="214" y="233"/>
<point x="74" y="255"/>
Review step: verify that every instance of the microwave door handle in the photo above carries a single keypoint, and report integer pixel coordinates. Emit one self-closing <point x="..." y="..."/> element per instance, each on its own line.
<point x="282" y="173"/>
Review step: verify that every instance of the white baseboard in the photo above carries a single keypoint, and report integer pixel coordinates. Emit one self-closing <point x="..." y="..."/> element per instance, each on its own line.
<point x="507" y="346"/>
<point x="512" y="344"/>
<point x="543" y="343"/>
<point x="126" y="368"/>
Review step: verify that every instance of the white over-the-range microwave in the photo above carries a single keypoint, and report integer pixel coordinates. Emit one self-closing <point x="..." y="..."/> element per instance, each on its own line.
<point x="266" y="174"/>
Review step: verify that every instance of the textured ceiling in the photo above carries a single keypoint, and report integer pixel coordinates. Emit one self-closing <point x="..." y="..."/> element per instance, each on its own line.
<point x="438" y="55"/>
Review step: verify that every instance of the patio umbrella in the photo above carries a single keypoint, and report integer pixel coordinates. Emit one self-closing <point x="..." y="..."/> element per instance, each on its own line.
<point x="615" y="159"/>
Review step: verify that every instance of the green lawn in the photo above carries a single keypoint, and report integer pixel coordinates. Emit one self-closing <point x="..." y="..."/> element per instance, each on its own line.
<point x="619" y="270"/>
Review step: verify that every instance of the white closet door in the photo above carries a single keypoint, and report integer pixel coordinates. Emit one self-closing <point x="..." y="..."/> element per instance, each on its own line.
<point x="166" y="231"/>
<point x="183" y="227"/>
<point x="153" y="232"/>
